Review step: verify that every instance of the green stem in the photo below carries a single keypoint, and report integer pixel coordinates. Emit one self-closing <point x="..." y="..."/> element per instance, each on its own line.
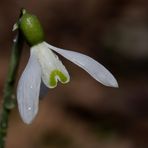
<point x="9" y="100"/>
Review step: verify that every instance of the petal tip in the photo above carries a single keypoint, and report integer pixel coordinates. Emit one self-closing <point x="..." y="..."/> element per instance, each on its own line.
<point x="28" y="117"/>
<point x="114" y="83"/>
<point x="27" y="121"/>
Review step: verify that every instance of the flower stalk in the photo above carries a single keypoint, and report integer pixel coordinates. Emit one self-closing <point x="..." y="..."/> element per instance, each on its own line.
<point x="9" y="101"/>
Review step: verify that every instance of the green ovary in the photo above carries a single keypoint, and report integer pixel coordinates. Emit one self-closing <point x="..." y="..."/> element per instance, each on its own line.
<point x="32" y="29"/>
<point x="61" y="77"/>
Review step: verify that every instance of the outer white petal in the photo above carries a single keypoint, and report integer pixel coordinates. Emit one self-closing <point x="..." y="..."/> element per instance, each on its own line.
<point x="95" y="69"/>
<point x="28" y="90"/>
<point x="51" y="67"/>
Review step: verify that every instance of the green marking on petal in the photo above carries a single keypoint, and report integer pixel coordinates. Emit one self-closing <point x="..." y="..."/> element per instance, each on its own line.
<point x="61" y="77"/>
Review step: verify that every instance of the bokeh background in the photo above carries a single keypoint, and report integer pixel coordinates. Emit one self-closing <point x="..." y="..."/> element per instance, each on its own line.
<point x="84" y="113"/>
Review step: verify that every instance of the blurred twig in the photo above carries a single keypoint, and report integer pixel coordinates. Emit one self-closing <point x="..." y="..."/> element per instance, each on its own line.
<point x="9" y="100"/>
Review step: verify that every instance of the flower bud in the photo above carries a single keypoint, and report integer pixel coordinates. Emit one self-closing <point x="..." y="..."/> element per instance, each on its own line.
<point x="31" y="29"/>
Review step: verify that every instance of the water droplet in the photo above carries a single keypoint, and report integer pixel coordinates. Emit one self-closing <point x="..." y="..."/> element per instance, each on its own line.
<point x="29" y="108"/>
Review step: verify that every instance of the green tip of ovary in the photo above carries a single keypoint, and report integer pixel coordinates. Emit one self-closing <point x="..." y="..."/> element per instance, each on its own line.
<point x="57" y="74"/>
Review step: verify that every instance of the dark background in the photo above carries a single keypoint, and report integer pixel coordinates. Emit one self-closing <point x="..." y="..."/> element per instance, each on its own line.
<point x="84" y="113"/>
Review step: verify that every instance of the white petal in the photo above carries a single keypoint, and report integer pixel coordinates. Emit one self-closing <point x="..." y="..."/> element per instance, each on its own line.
<point x="28" y="90"/>
<point x="95" y="69"/>
<point x="52" y="68"/>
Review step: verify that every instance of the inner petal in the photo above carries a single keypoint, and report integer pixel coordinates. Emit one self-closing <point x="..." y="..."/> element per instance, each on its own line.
<point x="52" y="68"/>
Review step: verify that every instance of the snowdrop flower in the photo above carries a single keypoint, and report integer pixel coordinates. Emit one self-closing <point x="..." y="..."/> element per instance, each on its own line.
<point x="44" y="65"/>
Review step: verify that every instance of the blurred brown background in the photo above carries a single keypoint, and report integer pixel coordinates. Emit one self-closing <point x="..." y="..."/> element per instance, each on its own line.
<point x="84" y="113"/>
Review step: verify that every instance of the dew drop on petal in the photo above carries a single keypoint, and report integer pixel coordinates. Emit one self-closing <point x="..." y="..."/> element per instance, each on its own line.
<point x="29" y="108"/>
